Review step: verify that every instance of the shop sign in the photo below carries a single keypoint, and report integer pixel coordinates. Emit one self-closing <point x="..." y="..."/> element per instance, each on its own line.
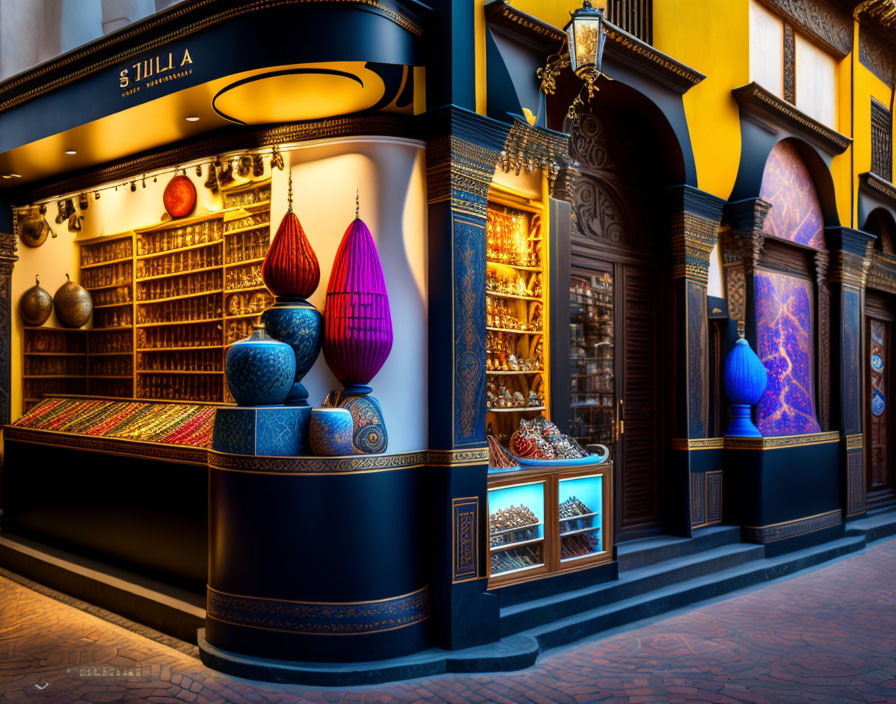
<point x="161" y="68"/>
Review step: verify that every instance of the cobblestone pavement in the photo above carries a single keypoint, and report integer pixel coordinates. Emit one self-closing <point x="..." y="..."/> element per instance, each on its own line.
<point x="824" y="636"/>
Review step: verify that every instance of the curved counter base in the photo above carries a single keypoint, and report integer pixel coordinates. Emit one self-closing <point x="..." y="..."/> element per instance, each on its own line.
<point x="316" y="558"/>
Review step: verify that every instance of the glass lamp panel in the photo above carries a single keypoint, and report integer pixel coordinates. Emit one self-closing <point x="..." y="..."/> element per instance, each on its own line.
<point x="586" y="31"/>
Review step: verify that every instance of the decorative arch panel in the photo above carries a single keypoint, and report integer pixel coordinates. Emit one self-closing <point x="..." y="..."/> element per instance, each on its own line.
<point x="796" y="213"/>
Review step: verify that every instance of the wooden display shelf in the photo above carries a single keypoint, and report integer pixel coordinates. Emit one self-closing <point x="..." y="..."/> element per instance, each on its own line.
<point x="185" y="248"/>
<point x="257" y="260"/>
<point x="177" y="371"/>
<point x="243" y="316"/>
<point x="55" y="354"/>
<point x="155" y="277"/>
<point x="514" y="296"/>
<point x="509" y="373"/>
<point x="100" y="288"/>
<point x="180" y="222"/>
<point x="168" y="323"/>
<point x="111" y="354"/>
<point x="517" y="409"/>
<point x="100" y="239"/>
<point x="511" y="546"/>
<point x="248" y="228"/>
<point x="179" y="349"/>
<point x="260" y="287"/>
<point x="120" y="260"/>
<point x="104" y="377"/>
<point x="73" y="377"/>
<point x="518" y="332"/>
<point x="518" y="267"/>
<point x="183" y="296"/>
<point x="113" y="305"/>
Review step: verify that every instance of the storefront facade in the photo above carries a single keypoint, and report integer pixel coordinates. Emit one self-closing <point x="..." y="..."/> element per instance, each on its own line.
<point x="594" y="269"/>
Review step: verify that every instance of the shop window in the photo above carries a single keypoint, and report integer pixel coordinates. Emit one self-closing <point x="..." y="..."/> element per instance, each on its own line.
<point x="816" y="82"/>
<point x="766" y="49"/>
<point x="881" y="141"/>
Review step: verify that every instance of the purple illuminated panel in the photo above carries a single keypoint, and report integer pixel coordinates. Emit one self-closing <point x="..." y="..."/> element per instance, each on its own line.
<point x="784" y="319"/>
<point x="795" y="214"/>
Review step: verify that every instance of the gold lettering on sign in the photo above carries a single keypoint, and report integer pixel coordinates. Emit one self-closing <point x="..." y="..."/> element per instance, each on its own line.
<point x="159" y="68"/>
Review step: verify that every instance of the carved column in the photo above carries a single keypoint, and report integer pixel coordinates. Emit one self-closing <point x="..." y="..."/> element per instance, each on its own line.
<point x="459" y="174"/>
<point x="7" y="260"/>
<point x="695" y="219"/>
<point x="741" y="242"/>
<point x="823" y="378"/>
<point x="849" y="264"/>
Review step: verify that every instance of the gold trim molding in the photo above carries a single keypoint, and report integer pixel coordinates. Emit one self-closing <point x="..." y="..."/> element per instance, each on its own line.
<point x="791" y="529"/>
<point x="690" y="444"/>
<point x="854" y="442"/>
<point x="778" y="442"/>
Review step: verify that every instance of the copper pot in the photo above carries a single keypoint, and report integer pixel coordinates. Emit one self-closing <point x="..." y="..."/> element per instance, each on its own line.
<point x="73" y="304"/>
<point x="35" y="305"/>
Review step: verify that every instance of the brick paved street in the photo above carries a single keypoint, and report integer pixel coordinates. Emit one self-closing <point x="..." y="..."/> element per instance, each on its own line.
<point x="824" y="636"/>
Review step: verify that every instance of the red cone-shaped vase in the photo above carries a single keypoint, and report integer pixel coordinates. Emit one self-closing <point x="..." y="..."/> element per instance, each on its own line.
<point x="357" y="322"/>
<point x="290" y="267"/>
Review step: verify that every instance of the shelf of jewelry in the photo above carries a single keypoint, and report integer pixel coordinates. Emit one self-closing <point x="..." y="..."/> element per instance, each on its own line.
<point x="170" y="299"/>
<point x="516" y="306"/>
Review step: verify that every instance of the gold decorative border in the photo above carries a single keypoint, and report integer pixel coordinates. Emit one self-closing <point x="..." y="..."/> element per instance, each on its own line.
<point x="465" y="539"/>
<point x="183" y="454"/>
<point x="313" y="465"/>
<point x="147" y="26"/>
<point x="855" y="442"/>
<point x="791" y="529"/>
<point x="777" y="442"/>
<point x="754" y="99"/>
<point x="690" y="444"/>
<point x="318" y="618"/>
<point x="457" y="458"/>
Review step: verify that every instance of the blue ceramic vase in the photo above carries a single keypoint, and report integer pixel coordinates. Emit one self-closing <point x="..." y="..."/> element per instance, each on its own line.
<point x="297" y="323"/>
<point x="259" y="370"/>
<point x="370" y="436"/>
<point x="330" y="432"/>
<point x="745" y="379"/>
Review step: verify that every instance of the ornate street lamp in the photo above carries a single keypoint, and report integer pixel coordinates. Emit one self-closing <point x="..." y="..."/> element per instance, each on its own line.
<point x="585" y="39"/>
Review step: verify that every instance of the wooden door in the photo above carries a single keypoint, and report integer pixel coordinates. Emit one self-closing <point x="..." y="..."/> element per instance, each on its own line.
<point x="879" y="418"/>
<point x="610" y="233"/>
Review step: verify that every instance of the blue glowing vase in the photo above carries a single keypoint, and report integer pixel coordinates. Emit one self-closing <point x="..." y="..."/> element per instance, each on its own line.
<point x="745" y="378"/>
<point x="259" y="370"/>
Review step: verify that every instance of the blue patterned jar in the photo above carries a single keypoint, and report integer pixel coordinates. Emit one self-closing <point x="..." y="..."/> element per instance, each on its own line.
<point x="369" y="435"/>
<point x="259" y="370"/>
<point x="330" y="432"/>
<point x="297" y="323"/>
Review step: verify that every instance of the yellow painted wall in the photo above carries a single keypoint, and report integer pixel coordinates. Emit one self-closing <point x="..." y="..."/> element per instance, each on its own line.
<point x="711" y="36"/>
<point x="391" y="176"/>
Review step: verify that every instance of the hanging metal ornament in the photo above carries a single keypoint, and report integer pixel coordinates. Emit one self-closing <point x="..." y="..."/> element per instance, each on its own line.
<point x="33" y="227"/>
<point x="244" y="166"/>
<point x="74" y="222"/>
<point x="276" y="159"/>
<point x="257" y="166"/>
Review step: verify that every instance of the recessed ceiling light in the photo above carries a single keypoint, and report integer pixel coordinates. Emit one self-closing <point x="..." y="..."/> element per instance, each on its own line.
<point x="192" y="118"/>
<point x="16" y="175"/>
<point x="7" y="175"/>
<point x="71" y="152"/>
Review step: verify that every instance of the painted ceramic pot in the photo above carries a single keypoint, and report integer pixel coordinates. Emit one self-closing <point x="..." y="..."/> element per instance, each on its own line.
<point x="259" y="370"/>
<point x="297" y="323"/>
<point x="369" y="436"/>
<point x="73" y="304"/>
<point x="35" y="305"/>
<point x="330" y="432"/>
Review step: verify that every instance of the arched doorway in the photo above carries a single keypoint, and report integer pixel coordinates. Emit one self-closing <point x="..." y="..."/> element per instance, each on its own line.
<point x="616" y="319"/>
<point x="880" y="380"/>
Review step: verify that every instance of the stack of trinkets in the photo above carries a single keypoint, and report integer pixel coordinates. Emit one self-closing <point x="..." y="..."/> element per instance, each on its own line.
<point x="539" y="439"/>
<point x="579" y="528"/>
<point x="515" y="316"/>
<point x="508" y="526"/>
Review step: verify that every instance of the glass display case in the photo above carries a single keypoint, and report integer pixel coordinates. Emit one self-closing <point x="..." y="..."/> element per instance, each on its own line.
<point x="548" y="520"/>
<point x="516" y="314"/>
<point x="580" y="512"/>
<point x="593" y="413"/>
<point x="516" y="528"/>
